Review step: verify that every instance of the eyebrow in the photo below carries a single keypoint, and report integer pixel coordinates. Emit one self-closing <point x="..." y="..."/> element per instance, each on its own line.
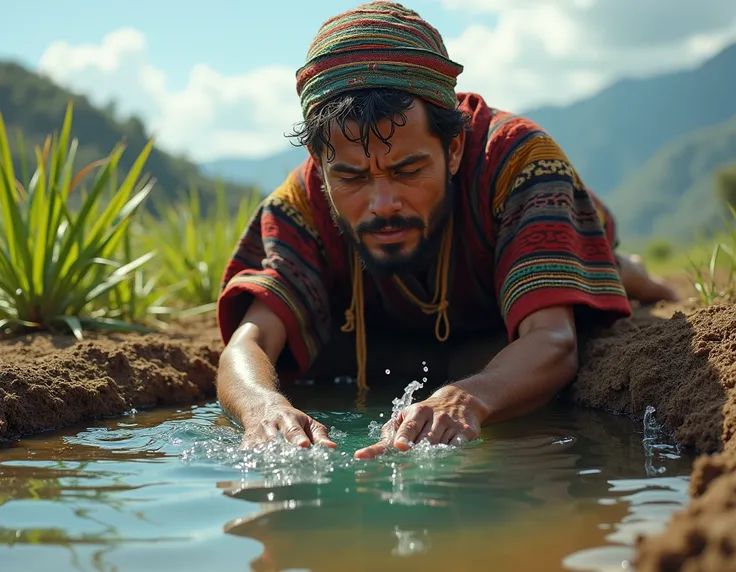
<point x="410" y="160"/>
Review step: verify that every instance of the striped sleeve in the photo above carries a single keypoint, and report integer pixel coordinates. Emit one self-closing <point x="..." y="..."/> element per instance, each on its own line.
<point x="279" y="260"/>
<point x="554" y="240"/>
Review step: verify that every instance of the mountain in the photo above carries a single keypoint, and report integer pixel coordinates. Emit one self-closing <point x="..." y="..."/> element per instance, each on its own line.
<point x="607" y="136"/>
<point x="673" y="195"/>
<point x="36" y="106"/>
<point x="613" y="133"/>
<point x="266" y="174"/>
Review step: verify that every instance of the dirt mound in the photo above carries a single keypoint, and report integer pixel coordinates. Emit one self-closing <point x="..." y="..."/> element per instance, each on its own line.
<point x="47" y="382"/>
<point x="686" y="368"/>
<point x="683" y="367"/>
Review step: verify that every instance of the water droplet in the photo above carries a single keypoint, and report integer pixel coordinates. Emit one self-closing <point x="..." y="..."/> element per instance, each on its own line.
<point x="424" y="363"/>
<point x="424" y="379"/>
<point x="388" y="372"/>
<point x="426" y="369"/>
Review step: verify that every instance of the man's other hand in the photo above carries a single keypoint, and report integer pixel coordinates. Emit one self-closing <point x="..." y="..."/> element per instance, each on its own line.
<point x="450" y="416"/>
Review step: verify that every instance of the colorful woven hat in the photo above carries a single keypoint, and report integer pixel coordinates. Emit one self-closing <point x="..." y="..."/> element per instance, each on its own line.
<point x="379" y="44"/>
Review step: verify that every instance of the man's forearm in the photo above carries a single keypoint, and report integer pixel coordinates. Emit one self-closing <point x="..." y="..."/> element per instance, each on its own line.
<point x="524" y="376"/>
<point x="246" y="380"/>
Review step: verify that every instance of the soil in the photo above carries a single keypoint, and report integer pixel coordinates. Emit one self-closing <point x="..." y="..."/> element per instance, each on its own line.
<point x="679" y="359"/>
<point x="51" y="381"/>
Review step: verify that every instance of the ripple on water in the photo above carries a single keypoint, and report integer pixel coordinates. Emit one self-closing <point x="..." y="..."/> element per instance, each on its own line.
<point x="183" y="478"/>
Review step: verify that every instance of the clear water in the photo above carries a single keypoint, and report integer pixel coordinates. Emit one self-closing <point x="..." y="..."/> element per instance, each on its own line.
<point x="169" y="490"/>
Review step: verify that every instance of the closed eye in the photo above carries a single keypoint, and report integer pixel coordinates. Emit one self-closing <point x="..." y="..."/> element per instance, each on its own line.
<point x="408" y="173"/>
<point x="353" y="179"/>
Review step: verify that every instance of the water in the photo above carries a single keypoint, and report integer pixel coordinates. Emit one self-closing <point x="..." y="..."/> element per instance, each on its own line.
<point x="559" y="490"/>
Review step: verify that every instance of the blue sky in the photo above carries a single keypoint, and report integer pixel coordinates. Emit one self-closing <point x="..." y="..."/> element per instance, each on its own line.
<point x="216" y="79"/>
<point x="229" y="35"/>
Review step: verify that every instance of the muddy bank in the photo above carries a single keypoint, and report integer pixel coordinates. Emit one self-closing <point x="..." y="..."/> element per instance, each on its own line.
<point x="51" y="381"/>
<point x="685" y="367"/>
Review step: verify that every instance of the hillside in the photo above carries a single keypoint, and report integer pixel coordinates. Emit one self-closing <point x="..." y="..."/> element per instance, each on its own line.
<point x="613" y="133"/>
<point x="673" y="195"/>
<point x="36" y="106"/>
<point x="607" y="136"/>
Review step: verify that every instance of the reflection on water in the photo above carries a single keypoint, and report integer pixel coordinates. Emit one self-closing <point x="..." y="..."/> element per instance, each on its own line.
<point x="561" y="490"/>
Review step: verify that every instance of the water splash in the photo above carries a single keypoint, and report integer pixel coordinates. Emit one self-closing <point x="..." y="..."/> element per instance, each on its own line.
<point x="279" y="463"/>
<point x="401" y="403"/>
<point x="374" y="429"/>
<point x="651" y="427"/>
<point x="653" y="447"/>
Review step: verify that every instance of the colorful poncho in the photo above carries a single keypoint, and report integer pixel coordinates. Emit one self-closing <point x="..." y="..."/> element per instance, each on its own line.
<point x="527" y="235"/>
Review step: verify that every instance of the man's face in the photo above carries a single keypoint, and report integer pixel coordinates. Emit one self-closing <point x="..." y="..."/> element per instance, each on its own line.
<point x="393" y="202"/>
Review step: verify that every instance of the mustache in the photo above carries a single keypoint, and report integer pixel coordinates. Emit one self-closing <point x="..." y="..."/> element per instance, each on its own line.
<point x="395" y="222"/>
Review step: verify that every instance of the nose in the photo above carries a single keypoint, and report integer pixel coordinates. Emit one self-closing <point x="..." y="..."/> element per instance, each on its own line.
<point x="385" y="201"/>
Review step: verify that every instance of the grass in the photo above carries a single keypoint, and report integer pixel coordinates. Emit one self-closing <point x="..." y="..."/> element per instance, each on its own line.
<point x="709" y="264"/>
<point x="56" y="264"/>
<point x="715" y="281"/>
<point x="81" y="258"/>
<point x="195" y="246"/>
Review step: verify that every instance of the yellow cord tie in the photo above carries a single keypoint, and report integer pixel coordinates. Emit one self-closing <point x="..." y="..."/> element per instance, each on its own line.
<point x="354" y="321"/>
<point x="354" y="315"/>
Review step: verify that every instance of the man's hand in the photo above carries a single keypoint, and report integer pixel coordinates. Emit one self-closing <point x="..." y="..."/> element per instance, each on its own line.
<point x="522" y="377"/>
<point x="267" y="418"/>
<point x="451" y="416"/>
<point x="247" y="385"/>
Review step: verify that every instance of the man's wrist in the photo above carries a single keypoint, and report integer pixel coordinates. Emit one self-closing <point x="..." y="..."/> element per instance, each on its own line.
<point x="475" y="396"/>
<point x="260" y="400"/>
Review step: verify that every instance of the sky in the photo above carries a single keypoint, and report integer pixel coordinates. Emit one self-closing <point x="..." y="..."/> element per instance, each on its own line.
<point x="216" y="79"/>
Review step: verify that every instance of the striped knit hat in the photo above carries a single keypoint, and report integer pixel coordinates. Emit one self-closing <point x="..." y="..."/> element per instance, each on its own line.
<point x="379" y="44"/>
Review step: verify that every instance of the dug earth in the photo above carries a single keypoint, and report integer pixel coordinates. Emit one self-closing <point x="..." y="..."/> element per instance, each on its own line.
<point x="682" y="361"/>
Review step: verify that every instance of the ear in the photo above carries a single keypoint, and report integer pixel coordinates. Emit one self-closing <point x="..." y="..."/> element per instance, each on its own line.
<point x="317" y="162"/>
<point x="455" y="152"/>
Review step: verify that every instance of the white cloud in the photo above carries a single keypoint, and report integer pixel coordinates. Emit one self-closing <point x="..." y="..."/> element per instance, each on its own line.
<point x="536" y="52"/>
<point x="555" y="51"/>
<point x="211" y="117"/>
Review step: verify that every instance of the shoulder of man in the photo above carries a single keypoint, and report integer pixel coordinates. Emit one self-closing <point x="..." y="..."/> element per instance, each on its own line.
<point x="301" y="200"/>
<point x="292" y="199"/>
<point x="517" y="150"/>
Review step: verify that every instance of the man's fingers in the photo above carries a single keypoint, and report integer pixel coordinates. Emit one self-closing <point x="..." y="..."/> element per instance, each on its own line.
<point x="372" y="451"/>
<point x="320" y="435"/>
<point x="265" y="432"/>
<point x="412" y="426"/>
<point x="293" y="432"/>
<point x="380" y="447"/>
<point x="269" y="430"/>
<point x="426" y="433"/>
<point x="441" y="423"/>
<point x="458" y="436"/>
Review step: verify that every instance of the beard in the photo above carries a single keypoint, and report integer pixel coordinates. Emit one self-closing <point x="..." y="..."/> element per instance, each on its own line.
<point x="392" y="260"/>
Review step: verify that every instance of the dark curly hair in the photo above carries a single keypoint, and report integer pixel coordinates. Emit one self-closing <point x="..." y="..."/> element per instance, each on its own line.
<point x="367" y="107"/>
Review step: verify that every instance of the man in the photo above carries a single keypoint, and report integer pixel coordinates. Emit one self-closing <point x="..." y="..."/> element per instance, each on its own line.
<point x="418" y="210"/>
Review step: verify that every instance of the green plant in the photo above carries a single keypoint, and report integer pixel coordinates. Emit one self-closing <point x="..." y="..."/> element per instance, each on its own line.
<point x="57" y="263"/>
<point x="717" y="280"/>
<point x="196" y="246"/>
<point x="140" y="299"/>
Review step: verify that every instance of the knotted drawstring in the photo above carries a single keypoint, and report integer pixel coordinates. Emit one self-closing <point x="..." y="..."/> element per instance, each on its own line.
<point x="354" y="315"/>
